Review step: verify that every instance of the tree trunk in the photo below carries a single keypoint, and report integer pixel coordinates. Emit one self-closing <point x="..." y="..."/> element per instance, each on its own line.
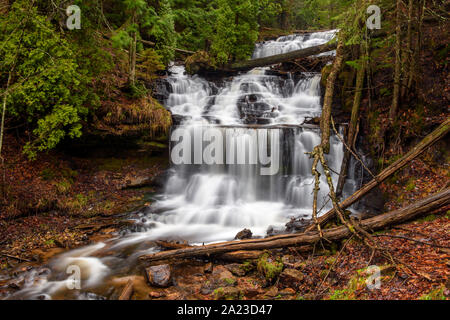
<point x="2" y="128"/>
<point x="414" y="69"/>
<point x="424" y="206"/>
<point x="397" y="71"/>
<point x="328" y="99"/>
<point x="408" y="53"/>
<point x="428" y="141"/>
<point x="352" y="127"/>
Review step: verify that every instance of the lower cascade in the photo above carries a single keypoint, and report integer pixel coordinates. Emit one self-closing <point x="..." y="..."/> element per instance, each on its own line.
<point x="259" y="176"/>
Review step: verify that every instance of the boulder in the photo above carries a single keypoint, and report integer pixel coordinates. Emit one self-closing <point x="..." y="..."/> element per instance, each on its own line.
<point x="159" y="276"/>
<point x="236" y="269"/>
<point x="244" y="234"/>
<point x="291" y="277"/>
<point x="228" y="293"/>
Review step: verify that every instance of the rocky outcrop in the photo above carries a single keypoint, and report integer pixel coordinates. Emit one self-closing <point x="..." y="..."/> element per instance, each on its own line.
<point x="159" y="276"/>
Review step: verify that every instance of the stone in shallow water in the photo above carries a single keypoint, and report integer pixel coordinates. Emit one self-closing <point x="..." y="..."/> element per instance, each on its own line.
<point x="244" y="234"/>
<point x="159" y="276"/>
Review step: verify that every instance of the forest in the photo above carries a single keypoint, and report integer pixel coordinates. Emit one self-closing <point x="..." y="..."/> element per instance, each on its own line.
<point x="136" y="139"/>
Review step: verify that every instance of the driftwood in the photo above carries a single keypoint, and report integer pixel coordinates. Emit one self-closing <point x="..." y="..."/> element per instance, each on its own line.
<point x="127" y="291"/>
<point x="421" y="207"/>
<point x="428" y="141"/>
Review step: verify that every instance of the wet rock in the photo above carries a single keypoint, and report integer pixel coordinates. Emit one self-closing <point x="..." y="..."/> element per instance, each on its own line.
<point x="178" y="119"/>
<point x="297" y="225"/>
<point x="159" y="276"/>
<point x="244" y="234"/>
<point x="16" y="284"/>
<point x="291" y="277"/>
<point x="161" y="90"/>
<point x="236" y="269"/>
<point x="90" y="296"/>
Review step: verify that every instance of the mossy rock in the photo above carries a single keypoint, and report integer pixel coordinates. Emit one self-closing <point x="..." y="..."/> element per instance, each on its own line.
<point x="269" y="267"/>
<point x="228" y="293"/>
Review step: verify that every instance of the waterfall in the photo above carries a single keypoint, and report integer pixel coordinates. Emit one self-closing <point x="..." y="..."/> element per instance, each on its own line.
<point x="207" y="203"/>
<point x="258" y="176"/>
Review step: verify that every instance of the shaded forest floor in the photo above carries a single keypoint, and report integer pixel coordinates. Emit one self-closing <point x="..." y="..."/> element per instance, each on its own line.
<point x="58" y="201"/>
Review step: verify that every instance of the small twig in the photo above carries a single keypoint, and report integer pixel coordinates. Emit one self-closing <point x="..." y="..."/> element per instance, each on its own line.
<point x="16" y="258"/>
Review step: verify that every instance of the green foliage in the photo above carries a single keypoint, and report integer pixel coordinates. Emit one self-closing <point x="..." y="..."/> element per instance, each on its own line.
<point x="149" y="62"/>
<point x="49" y="90"/>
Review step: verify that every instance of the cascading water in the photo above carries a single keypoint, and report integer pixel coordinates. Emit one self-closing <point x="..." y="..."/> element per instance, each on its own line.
<point x="258" y="115"/>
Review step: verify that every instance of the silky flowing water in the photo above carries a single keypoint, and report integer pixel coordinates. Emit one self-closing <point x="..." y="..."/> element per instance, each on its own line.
<point x="204" y="203"/>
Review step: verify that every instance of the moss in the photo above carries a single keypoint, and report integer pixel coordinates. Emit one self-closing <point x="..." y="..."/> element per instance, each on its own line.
<point x="435" y="294"/>
<point x="247" y="266"/>
<point x="228" y="293"/>
<point x="410" y="185"/>
<point x="74" y="204"/>
<point x="330" y="261"/>
<point x="229" y="281"/>
<point x="63" y="186"/>
<point x="48" y="174"/>
<point x="112" y="164"/>
<point x="429" y="218"/>
<point x="344" y="294"/>
<point x="270" y="268"/>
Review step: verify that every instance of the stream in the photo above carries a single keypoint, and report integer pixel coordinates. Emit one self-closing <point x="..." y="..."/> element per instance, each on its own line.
<point x="259" y="177"/>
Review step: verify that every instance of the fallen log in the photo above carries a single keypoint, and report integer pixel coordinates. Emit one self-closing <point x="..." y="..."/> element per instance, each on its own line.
<point x="420" y="207"/>
<point x="428" y="141"/>
<point x="239" y="256"/>
<point x="279" y="58"/>
<point x="127" y="291"/>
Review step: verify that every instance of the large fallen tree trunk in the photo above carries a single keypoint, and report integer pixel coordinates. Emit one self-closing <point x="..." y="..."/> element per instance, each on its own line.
<point x="424" y="206"/>
<point x="279" y="58"/>
<point x="428" y="141"/>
